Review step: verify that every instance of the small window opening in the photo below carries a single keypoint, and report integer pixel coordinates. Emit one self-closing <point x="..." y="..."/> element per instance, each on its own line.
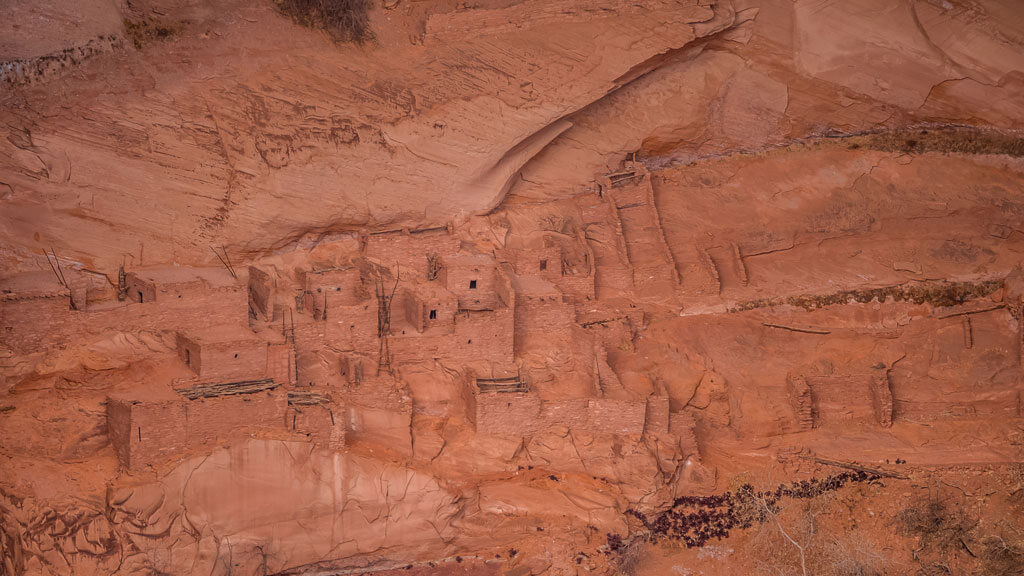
<point x="469" y="341"/>
<point x="140" y="295"/>
<point x="236" y="355"/>
<point x="433" y="314"/>
<point x="543" y="264"/>
<point x="188" y="357"/>
<point x="472" y="284"/>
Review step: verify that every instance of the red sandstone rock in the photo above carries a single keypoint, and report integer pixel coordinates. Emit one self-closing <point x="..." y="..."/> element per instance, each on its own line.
<point x="480" y="294"/>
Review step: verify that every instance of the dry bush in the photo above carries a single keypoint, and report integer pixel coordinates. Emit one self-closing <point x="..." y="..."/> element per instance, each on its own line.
<point x="850" y="554"/>
<point x="778" y="541"/>
<point x="936" y="524"/>
<point x="1001" y="558"/>
<point x="1016" y="479"/>
<point x="345" y="20"/>
<point x="630" y="558"/>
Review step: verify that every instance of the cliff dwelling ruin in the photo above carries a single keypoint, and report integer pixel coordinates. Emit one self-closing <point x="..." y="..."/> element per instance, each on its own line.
<point x="511" y="287"/>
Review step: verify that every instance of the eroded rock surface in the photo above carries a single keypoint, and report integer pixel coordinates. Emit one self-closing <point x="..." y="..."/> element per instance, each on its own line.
<point x="570" y="287"/>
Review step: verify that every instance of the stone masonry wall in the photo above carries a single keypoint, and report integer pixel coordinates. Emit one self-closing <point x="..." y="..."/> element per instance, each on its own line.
<point x="210" y="421"/>
<point x="408" y="252"/>
<point x="44" y="322"/>
<point x="524" y="413"/>
<point x="262" y="294"/>
<point x="225" y="361"/>
<point x="146" y="432"/>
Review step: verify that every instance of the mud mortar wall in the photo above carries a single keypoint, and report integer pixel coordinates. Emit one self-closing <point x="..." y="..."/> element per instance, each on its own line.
<point x="224" y="361"/>
<point x="45" y="322"/>
<point x="148" y="432"/>
<point x="408" y="253"/>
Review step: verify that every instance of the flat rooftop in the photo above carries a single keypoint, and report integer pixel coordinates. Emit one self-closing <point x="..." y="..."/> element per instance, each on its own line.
<point x="25" y="285"/>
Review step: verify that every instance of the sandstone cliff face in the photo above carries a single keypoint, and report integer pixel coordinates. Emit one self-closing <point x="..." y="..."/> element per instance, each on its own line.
<point x="516" y="287"/>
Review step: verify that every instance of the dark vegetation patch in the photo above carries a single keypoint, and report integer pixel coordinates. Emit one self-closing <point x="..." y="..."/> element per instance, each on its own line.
<point x="941" y="294"/>
<point x="144" y="31"/>
<point x="945" y="532"/>
<point x="1002" y="558"/>
<point x="23" y="71"/>
<point x="344" y="20"/>
<point x="695" y="520"/>
<point x="937" y="524"/>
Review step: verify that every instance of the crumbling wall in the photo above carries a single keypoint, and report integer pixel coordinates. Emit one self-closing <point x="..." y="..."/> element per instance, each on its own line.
<point x="30" y="324"/>
<point x="551" y="316"/>
<point x="881" y="399"/>
<point x="572" y="413"/>
<point x="801" y="401"/>
<point x="581" y="284"/>
<point x="522" y="413"/>
<point x="319" y="424"/>
<point x="410" y="309"/>
<point x="544" y="261"/>
<point x="146" y="432"/>
<point x="408" y="251"/>
<point x="352" y="327"/>
<point x="262" y="293"/>
<point x="682" y="425"/>
<point x="616" y="223"/>
<point x="42" y="323"/>
<point x="840" y="399"/>
<point x="171" y="283"/>
<point x="189" y="352"/>
<point x="389" y="427"/>
<point x="612" y="331"/>
<point x="503" y="287"/>
<point x="281" y="363"/>
<point x="212" y="421"/>
<point x="357" y="368"/>
<point x="638" y="192"/>
<point x="610" y="416"/>
<point x="507" y="414"/>
<point x="78" y="285"/>
<point x="607" y="381"/>
<point x="709" y="278"/>
<point x="599" y="416"/>
<point x="328" y="290"/>
<point x="656" y="418"/>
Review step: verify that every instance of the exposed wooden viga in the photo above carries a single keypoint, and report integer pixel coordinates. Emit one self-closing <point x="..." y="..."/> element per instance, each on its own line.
<point x="307" y="398"/>
<point x="227" y="388"/>
<point x="505" y="384"/>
